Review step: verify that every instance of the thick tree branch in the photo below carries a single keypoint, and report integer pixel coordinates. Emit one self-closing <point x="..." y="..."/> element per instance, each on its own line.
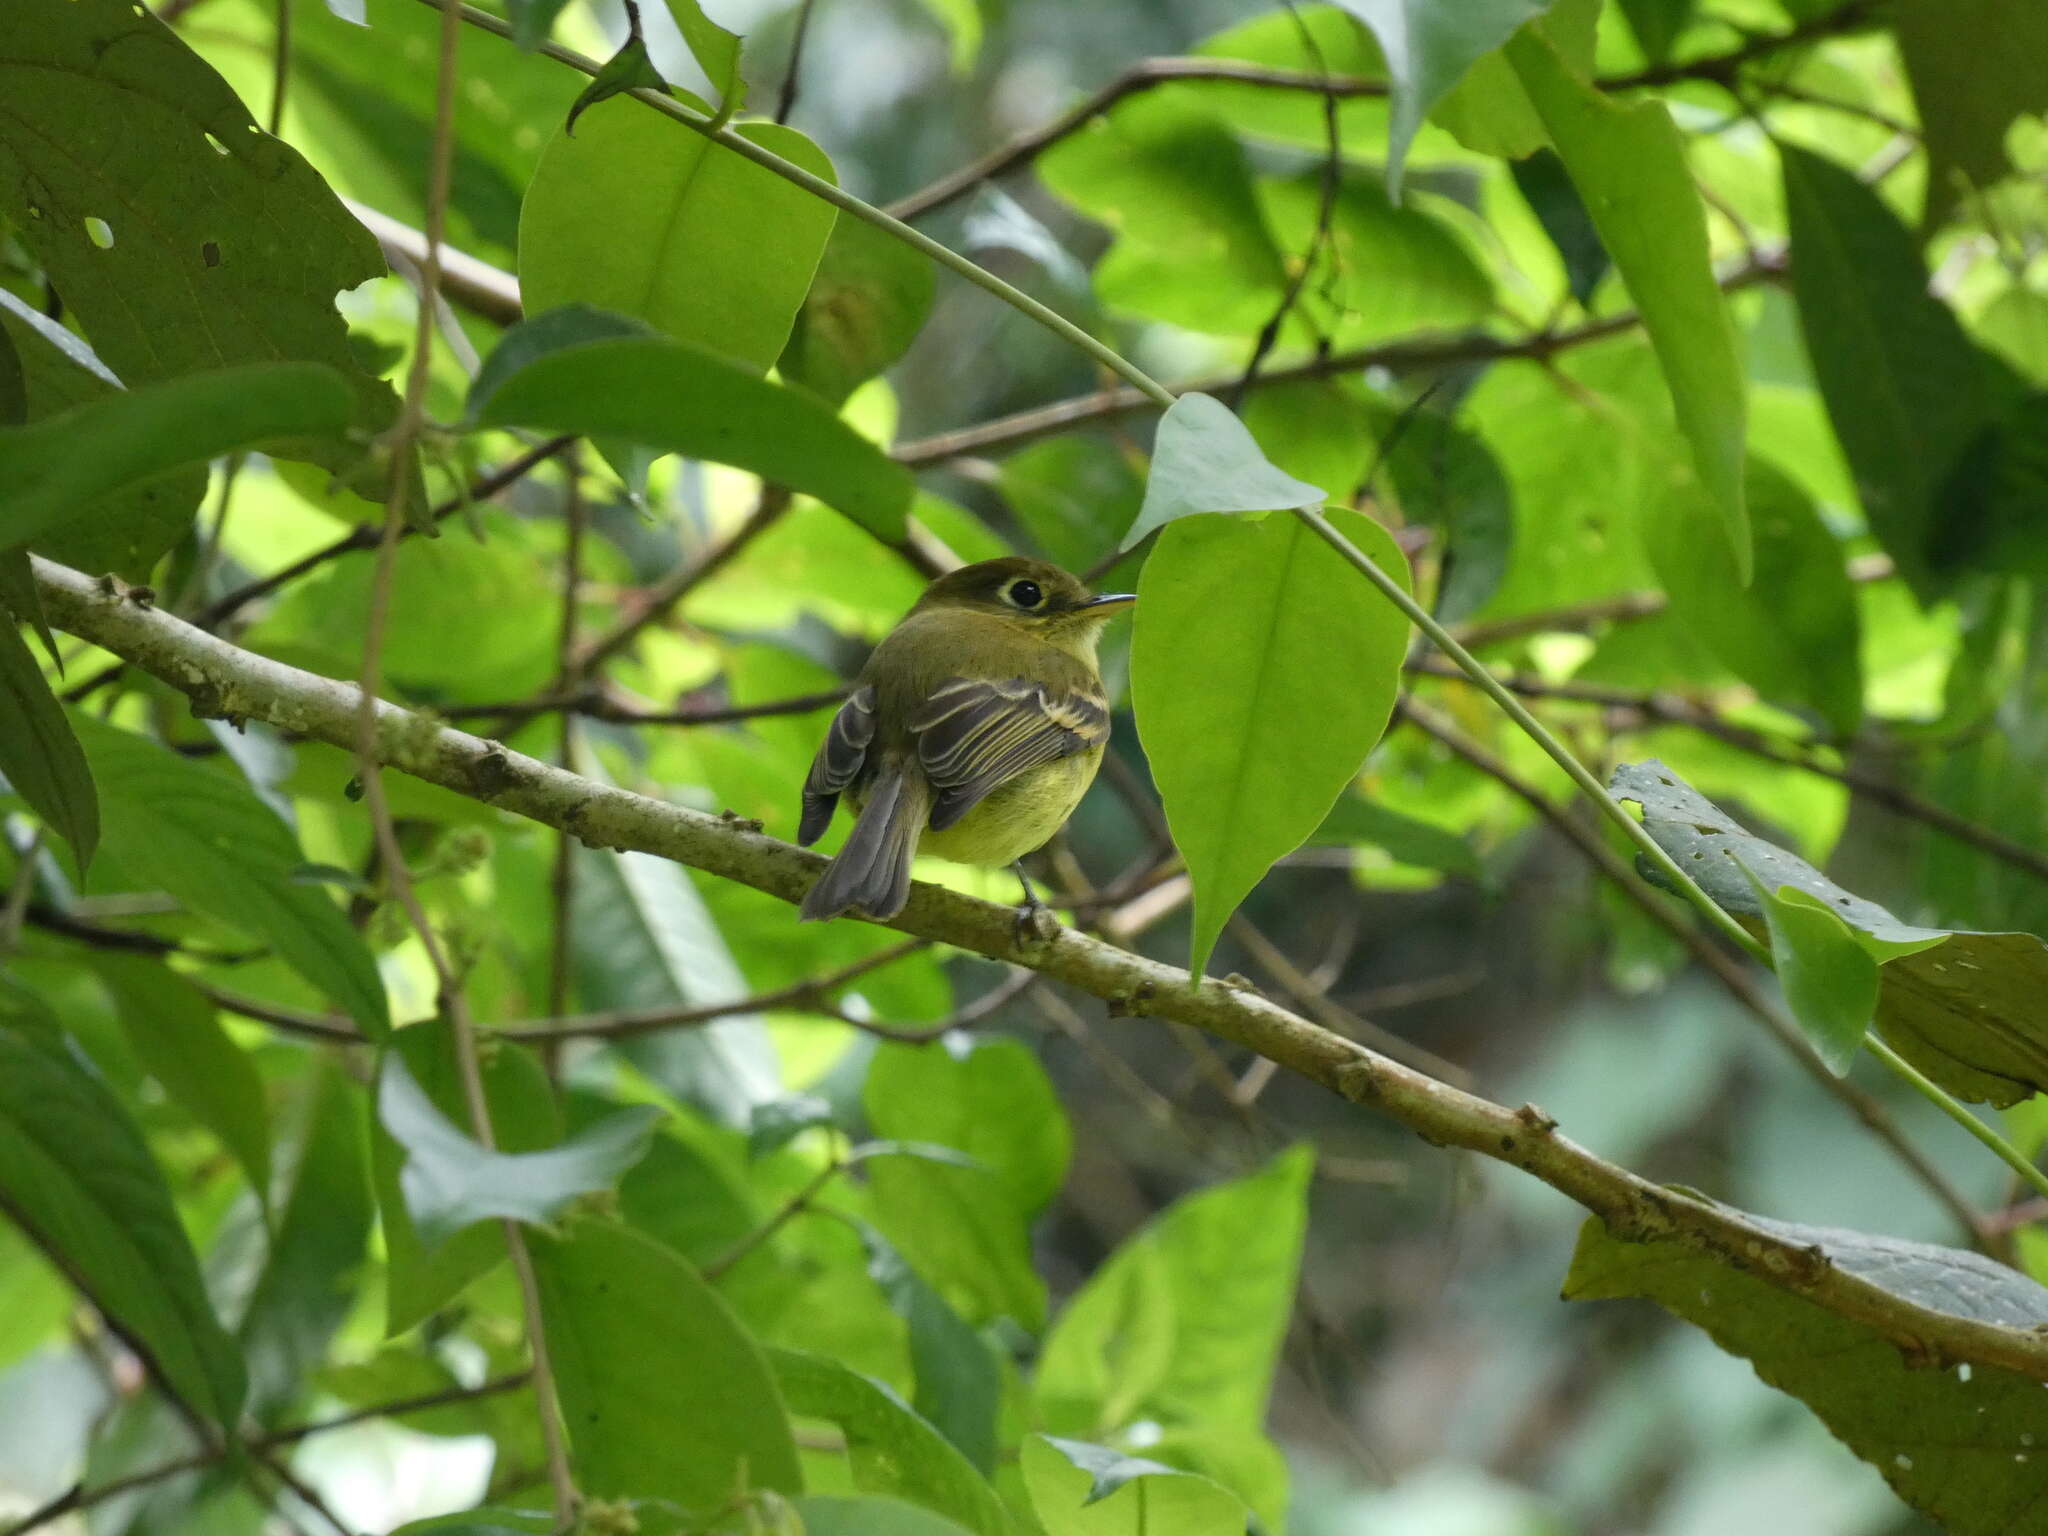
<point x="222" y="680"/>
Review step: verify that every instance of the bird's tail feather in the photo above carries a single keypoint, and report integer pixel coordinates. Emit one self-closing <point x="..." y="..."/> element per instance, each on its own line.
<point x="872" y="871"/>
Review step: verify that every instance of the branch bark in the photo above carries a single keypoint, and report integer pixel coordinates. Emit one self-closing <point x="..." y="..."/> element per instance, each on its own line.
<point x="225" y="682"/>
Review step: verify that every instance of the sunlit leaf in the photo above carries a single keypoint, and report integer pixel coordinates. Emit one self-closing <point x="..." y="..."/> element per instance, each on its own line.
<point x="1086" y="1490"/>
<point x="1245" y="633"/>
<point x="1204" y="460"/>
<point x="641" y="216"/>
<point x="1628" y="164"/>
<point x="1975" y="67"/>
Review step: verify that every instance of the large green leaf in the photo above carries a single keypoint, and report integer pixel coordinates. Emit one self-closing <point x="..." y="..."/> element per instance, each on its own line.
<point x="1085" y="1490"/>
<point x="1830" y="979"/>
<point x="77" y="1176"/>
<point x="181" y="236"/>
<point x="1182" y="1325"/>
<point x="1903" y="385"/>
<point x="892" y="1449"/>
<point x="52" y="469"/>
<point x="639" y="215"/>
<point x="418" y="1281"/>
<point x="1263" y="669"/>
<point x="682" y="398"/>
<point x="176" y="1034"/>
<point x="127" y="530"/>
<point x="451" y="1181"/>
<point x="39" y="755"/>
<point x="664" y="1395"/>
<point x="208" y="840"/>
<point x="1793" y="633"/>
<point x="1964" y="1007"/>
<point x="1629" y="166"/>
<point x="1975" y="66"/>
<point x="1961" y="1442"/>
<point x="1428" y="47"/>
<point x="959" y="1388"/>
<point x="833" y="1515"/>
<point x="966" y="1228"/>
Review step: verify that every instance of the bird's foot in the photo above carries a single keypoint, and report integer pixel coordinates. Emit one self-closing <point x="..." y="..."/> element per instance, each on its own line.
<point x="1036" y="924"/>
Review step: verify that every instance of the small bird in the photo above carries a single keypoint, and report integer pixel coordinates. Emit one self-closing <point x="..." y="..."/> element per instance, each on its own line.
<point x="972" y="733"/>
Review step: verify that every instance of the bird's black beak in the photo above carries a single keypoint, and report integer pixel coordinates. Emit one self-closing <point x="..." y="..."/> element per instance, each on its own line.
<point x="1109" y="600"/>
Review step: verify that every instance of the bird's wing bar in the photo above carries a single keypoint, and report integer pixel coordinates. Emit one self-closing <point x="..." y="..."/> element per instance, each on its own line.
<point x="839" y="761"/>
<point x="974" y="733"/>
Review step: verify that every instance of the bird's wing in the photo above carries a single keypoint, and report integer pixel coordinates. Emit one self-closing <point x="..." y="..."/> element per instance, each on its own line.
<point x="973" y="733"/>
<point x="839" y="761"/>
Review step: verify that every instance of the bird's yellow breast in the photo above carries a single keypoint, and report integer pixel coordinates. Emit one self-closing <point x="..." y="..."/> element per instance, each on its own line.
<point x="1019" y="815"/>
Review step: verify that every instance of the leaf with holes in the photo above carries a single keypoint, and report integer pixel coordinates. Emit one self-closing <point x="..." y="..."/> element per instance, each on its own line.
<point x="1263" y="670"/>
<point x="1964" y="1445"/>
<point x="641" y="216"/>
<point x="1962" y="1006"/>
<point x="182" y="237"/>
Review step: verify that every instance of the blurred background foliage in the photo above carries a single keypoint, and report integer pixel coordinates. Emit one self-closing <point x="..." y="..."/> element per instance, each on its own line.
<point x="1463" y="363"/>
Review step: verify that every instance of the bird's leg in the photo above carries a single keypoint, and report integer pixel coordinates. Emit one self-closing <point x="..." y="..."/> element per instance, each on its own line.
<point x="1035" y="922"/>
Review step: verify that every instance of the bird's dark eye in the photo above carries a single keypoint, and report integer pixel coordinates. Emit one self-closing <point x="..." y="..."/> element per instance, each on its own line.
<point x="1025" y="594"/>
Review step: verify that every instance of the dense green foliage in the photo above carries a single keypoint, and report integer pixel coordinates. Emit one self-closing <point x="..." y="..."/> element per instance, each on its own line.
<point x="1557" y="395"/>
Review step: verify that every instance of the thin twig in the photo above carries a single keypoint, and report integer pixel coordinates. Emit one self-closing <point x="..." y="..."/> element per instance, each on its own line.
<point x="793" y="78"/>
<point x="593" y="704"/>
<point x="562" y="878"/>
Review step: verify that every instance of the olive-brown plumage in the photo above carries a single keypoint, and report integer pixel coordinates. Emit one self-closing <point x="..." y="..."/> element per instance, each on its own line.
<point x="972" y="732"/>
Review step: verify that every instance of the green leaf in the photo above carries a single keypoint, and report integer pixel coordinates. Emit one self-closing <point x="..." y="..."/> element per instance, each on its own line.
<point x="39" y="756"/>
<point x="1358" y="818"/>
<point x="311" y="1269"/>
<point x="664" y="1395"/>
<point x="1245" y="633"/>
<point x="1074" y="494"/>
<point x="893" y="1451"/>
<point x="207" y="840"/>
<point x="1904" y="387"/>
<point x="124" y="532"/>
<point x="627" y="70"/>
<point x="18" y="597"/>
<point x="419" y="1282"/>
<point x="641" y="216"/>
<point x="1793" y="633"/>
<point x="1446" y="476"/>
<point x="1428" y="47"/>
<point x="1063" y="1477"/>
<point x="1176" y="185"/>
<point x="451" y="1181"/>
<point x="1657" y="24"/>
<point x="1488" y="111"/>
<point x="1183" y="1324"/>
<point x="177" y="1036"/>
<point x="1962" y="1006"/>
<point x="533" y="20"/>
<point x="716" y="51"/>
<point x="1975" y="66"/>
<point x="1629" y="166"/>
<point x="959" y="1388"/>
<point x="865" y="306"/>
<point x="52" y="468"/>
<point x="76" y="1175"/>
<point x="1547" y="188"/>
<point x="1205" y="460"/>
<point x="644" y="939"/>
<point x="681" y="398"/>
<point x="555" y="330"/>
<point x="966" y="1228"/>
<point x="224" y="246"/>
<point x="1961" y="1442"/>
<point x="833" y="1515"/>
<point x="1830" y="979"/>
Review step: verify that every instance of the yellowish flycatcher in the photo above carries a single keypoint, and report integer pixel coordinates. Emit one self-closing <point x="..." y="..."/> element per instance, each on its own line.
<point x="972" y="732"/>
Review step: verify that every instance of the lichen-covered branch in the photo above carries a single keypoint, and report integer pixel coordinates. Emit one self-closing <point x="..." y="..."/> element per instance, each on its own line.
<point x="224" y="681"/>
